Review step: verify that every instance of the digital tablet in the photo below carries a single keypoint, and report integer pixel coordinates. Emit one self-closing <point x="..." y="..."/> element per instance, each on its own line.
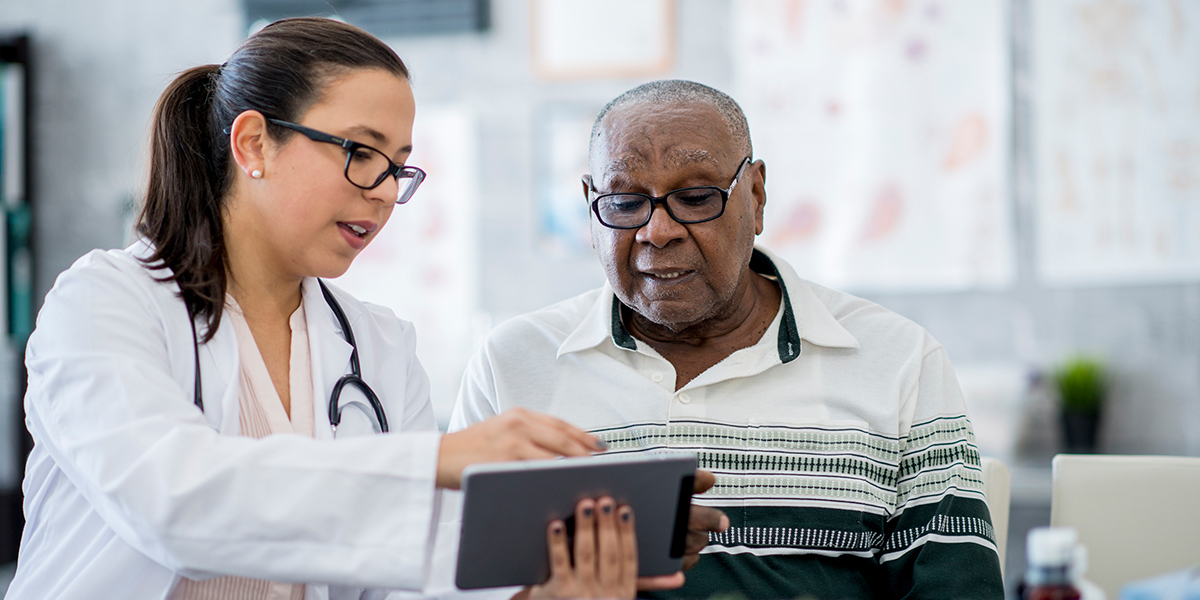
<point x="508" y="506"/>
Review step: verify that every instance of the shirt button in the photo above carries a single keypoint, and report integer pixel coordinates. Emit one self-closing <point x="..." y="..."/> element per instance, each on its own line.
<point x="685" y="399"/>
<point x="656" y="377"/>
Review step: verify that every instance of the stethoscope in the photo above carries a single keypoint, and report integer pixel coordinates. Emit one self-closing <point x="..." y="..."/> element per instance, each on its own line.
<point x="353" y="379"/>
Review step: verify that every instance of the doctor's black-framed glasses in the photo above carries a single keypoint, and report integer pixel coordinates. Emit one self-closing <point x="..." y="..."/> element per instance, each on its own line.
<point x="366" y="167"/>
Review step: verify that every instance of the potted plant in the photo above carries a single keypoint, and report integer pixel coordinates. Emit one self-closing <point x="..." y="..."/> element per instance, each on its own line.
<point x="1081" y="388"/>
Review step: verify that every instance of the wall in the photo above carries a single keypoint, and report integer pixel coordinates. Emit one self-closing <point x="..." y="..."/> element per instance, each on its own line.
<point x="102" y="65"/>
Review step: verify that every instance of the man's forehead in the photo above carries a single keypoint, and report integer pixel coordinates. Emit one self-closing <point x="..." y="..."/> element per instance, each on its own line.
<point x="670" y="157"/>
<point x="675" y="135"/>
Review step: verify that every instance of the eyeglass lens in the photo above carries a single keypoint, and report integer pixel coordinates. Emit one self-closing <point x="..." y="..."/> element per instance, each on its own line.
<point x="366" y="168"/>
<point x="686" y="206"/>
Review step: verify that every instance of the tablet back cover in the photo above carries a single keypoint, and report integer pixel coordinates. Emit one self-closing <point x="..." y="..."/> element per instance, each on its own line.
<point x="507" y="507"/>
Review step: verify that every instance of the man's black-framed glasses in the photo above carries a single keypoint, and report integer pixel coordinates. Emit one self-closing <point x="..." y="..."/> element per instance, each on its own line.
<point x="686" y="205"/>
<point x="366" y="167"/>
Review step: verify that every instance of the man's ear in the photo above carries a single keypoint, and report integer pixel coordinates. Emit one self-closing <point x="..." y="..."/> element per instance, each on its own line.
<point x="758" y="188"/>
<point x="247" y="141"/>
<point x="587" y="187"/>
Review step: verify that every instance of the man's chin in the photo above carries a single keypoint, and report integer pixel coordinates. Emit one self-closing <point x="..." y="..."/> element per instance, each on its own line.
<point x="674" y="315"/>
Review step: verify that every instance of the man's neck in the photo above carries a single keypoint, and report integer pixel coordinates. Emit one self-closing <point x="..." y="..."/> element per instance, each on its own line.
<point x="694" y="348"/>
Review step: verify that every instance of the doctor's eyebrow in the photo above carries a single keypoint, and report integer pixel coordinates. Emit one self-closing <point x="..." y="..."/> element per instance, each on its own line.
<point x="358" y="131"/>
<point x="378" y="138"/>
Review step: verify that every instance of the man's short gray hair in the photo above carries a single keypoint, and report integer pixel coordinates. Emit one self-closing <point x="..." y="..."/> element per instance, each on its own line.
<point x="679" y="91"/>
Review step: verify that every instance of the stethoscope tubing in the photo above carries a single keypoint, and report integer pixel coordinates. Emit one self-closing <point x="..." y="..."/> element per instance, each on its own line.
<point x="354" y="379"/>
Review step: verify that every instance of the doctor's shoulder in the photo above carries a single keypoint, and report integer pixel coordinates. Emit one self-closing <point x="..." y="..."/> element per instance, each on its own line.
<point x="115" y="278"/>
<point x="379" y="325"/>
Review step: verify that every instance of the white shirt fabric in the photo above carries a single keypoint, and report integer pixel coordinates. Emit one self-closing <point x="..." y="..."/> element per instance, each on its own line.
<point x="130" y="486"/>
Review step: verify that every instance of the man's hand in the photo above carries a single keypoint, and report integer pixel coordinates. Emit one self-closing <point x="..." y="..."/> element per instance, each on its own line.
<point x="518" y="434"/>
<point x="702" y="520"/>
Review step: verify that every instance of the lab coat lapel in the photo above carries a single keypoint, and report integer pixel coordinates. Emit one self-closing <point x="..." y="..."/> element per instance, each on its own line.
<point x="330" y="353"/>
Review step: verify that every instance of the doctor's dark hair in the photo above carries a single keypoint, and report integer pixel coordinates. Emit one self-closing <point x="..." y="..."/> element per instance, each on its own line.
<point x="281" y="71"/>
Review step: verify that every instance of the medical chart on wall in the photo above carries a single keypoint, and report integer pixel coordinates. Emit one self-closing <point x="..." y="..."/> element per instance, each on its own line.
<point x="423" y="265"/>
<point x="884" y="125"/>
<point x="1117" y="140"/>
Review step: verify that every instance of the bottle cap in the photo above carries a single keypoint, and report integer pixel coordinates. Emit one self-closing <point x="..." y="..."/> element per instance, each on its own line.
<point x="1050" y="546"/>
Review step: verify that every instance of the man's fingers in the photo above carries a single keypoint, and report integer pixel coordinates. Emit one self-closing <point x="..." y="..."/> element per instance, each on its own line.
<point x="704" y="481"/>
<point x="696" y="541"/>
<point x="704" y="518"/>
<point x="660" y="582"/>
<point x="701" y="520"/>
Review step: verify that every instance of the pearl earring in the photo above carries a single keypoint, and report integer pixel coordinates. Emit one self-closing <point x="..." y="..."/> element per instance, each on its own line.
<point x="256" y="174"/>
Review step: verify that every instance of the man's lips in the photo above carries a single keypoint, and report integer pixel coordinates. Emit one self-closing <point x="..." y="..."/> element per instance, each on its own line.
<point x="667" y="274"/>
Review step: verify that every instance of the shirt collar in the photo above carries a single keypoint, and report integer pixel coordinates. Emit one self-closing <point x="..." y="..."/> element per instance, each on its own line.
<point x="805" y="317"/>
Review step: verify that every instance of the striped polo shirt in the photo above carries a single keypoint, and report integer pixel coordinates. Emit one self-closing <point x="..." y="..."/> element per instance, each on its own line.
<point x="840" y="441"/>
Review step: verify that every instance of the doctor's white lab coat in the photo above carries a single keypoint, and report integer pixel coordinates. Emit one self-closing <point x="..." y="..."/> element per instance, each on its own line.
<point x="130" y="486"/>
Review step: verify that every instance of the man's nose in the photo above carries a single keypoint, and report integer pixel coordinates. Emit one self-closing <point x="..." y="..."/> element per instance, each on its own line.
<point x="661" y="229"/>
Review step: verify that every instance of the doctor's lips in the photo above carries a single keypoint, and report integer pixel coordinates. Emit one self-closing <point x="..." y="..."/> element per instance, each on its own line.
<point x="358" y="228"/>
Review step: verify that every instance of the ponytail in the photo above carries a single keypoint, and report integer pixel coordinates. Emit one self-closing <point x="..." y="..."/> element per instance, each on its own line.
<point x="181" y="213"/>
<point x="280" y="72"/>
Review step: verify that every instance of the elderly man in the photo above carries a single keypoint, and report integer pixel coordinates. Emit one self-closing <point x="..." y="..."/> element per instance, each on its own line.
<point x="836" y="429"/>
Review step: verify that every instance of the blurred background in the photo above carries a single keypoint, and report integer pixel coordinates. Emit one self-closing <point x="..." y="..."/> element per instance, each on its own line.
<point x="1020" y="177"/>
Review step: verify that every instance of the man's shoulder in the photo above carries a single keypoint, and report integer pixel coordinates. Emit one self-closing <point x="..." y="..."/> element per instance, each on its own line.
<point x="552" y="324"/>
<point x="868" y="321"/>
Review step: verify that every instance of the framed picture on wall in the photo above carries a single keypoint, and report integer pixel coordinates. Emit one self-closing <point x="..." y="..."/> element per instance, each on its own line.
<point x="580" y="39"/>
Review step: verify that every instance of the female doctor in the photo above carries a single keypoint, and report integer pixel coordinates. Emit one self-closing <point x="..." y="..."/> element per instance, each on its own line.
<point x="204" y="407"/>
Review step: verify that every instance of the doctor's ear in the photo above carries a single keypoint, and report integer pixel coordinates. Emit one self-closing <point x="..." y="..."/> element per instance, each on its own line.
<point x="247" y="141"/>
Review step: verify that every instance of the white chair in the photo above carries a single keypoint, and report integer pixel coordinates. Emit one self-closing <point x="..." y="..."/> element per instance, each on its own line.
<point x="997" y="484"/>
<point x="1138" y="516"/>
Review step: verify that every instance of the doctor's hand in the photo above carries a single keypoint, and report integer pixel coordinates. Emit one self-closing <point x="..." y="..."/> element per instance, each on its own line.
<point x="605" y="557"/>
<point x="702" y="520"/>
<point x="517" y="434"/>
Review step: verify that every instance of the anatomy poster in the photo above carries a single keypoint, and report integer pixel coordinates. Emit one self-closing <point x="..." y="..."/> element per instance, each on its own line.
<point x="423" y="264"/>
<point x="884" y="126"/>
<point x="1117" y="134"/>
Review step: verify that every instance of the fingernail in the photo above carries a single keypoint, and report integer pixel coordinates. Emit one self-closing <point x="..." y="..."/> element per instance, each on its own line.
<point x="625" y="516"/>
<point x="724" y="522"/>
<point x="587" y="512"/>
<point x="557" y="529"/>
<point x="607" y="509"/>
<point x="601" y="445"/>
